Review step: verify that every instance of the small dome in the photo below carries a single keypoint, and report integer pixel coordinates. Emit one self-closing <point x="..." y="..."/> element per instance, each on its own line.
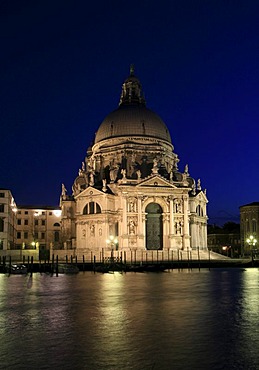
<point x="132" y="120"/>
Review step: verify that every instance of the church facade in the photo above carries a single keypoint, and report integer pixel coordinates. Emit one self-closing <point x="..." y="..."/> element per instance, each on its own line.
<point x="129" y="193"/>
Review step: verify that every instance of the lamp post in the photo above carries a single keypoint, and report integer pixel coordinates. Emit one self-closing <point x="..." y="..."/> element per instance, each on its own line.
<point x="112" y="242"/>
<point x="251" y="241"/>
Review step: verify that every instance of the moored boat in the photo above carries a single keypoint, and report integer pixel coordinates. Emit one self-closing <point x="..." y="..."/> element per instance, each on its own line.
<point x="66" y="268"/>
<point x="17" y="269"/>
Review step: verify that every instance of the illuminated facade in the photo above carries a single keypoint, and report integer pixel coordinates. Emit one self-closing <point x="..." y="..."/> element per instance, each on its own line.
<point x="129" y="193"/>
<point x="28" y="227"/>
<point x="249" y="226"/>
<point x="8" y="211"/>
<point x="38" y="228"/>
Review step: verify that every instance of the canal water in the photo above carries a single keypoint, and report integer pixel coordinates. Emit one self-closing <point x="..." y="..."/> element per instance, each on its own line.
<point x="171" y="320"/>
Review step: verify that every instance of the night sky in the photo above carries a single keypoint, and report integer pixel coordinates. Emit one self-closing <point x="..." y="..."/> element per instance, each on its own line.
<point x="62" y="65"/>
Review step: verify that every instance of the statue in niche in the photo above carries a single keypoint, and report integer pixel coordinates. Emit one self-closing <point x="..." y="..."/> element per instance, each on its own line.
<point x="83" y="233"/>
<point x="131" y="206"/>
<point x="178" y="205"/>
<point x="131" y="227"/>
<point x="92" y="230"/>
<point x="178" y="228"/>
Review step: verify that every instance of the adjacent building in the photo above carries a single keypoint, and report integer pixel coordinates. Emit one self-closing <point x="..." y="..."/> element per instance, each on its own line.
<point x="26" y="228"/>
<point x="8" y="212"/>
<point x="249" y="227"/>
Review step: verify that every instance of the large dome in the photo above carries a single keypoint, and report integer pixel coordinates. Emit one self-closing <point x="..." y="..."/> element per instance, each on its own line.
<point x="132" y="118"/>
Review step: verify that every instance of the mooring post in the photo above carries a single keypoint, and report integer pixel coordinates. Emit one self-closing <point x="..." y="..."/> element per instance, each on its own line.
<point x="94" y="265"/>
<point x="31" y="265"/>
<point x="56" y="265"/>
<point x="83" y="262"/>
<point x="52" y="264"/>
<point x="39" y="265"/>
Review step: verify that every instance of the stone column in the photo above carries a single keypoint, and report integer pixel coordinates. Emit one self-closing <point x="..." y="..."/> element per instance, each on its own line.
<point x="140" y="223"/>
<point x="171" y="226"/>
<point x="186" y="231"/>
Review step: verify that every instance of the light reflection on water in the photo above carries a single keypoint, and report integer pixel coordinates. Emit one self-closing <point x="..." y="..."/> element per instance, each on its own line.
<point x="175" y="320"/>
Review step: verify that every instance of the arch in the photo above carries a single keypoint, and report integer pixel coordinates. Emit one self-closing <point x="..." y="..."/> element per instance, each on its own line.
<point x="91" y="208"/>
<point x="154" y="227"/>
<point x="56" y="224"/>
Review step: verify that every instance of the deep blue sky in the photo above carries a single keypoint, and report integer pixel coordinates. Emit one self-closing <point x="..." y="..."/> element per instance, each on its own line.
<point x="62" y="64"/>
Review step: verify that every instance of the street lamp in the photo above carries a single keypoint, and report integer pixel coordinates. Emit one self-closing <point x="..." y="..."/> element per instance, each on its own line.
<point x="113" y="242"/>
<point x="251" y="241"/>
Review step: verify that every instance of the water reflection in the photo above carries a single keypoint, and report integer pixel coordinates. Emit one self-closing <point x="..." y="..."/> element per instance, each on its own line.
<point x="178" y="320"/>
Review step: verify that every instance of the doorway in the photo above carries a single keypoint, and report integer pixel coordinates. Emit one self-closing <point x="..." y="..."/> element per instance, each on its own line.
<point x="154" y="227"/>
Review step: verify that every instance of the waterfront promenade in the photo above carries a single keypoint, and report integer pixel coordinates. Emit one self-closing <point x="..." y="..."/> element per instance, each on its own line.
<point x="130" y="261"/>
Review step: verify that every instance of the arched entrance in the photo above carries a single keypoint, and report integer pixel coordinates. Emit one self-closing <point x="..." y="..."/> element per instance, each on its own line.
<point x="154" y="227"/>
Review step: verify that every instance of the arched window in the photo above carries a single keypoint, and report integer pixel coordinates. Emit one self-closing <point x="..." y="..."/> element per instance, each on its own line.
<point x="56" y="224"/>
<point x="91" y="208"/>
<point x="247" y="226"/>
<point x="254" y="226"/>
<point x="56" y="236"/>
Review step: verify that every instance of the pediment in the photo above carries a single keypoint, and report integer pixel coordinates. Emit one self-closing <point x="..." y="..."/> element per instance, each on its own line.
<point x="202" y="196"/>
<point x="156" y="181"/>
<point x="89" y="192"/>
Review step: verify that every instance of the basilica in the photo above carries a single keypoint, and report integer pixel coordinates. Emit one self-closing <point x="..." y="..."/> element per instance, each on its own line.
<point x="129" y="193"/>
